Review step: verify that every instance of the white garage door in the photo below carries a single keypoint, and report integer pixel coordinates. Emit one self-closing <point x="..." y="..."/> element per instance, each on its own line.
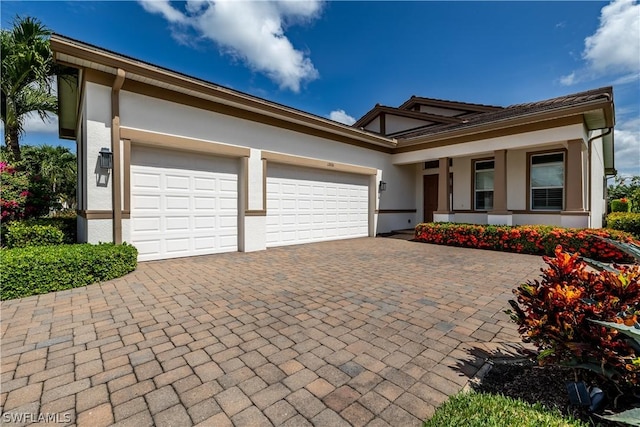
<point x="182" y="204"/>
<point x="310" y="205"/>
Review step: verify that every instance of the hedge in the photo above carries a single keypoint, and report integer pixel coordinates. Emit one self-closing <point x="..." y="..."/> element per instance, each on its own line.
<point x="527" y="239"/>
<point x="67" y="225"/>
<point x="625" y="221"/>
<point x="619" y="205"/>
<point x="21" y="235"/>
<point x="41" y="269"/>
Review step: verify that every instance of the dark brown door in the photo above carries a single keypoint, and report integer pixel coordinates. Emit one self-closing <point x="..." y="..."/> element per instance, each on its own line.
<point x="430" y="189"/>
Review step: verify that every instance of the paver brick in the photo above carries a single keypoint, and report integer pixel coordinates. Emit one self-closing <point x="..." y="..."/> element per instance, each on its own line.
<point x="341" y="398"/>
<point x="300" y="379"/>
<point x="280" y="412"/>
<point x="267" y="397"/>
<point x="129" y="409"/>
<point x="357" y="415"/>
<point x="305" y="403"/>
<point x="232" y="401"/>
<point x="171" y="417"/>
<point x="203" y="410"/>
<point x="251" y="417"/>
<point x="329" y="417"/>
<point x="98" y="416"/>
<point x="92" y="397"/>
<point x="22" y="396"/>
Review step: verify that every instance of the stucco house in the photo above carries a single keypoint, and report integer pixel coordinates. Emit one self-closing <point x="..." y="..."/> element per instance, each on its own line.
<point x="178" y="166"/>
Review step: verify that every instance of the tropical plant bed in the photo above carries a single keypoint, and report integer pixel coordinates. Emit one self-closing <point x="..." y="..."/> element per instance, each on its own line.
<point x="546" y="385"/>
<point x="527" y="239"/>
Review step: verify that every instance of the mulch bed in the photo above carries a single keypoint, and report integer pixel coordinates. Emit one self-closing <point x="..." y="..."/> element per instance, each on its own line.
<point x="527" y="381"/>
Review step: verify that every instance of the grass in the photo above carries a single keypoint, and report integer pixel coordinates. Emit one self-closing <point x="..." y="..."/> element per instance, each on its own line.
<point x="492" y="410"/>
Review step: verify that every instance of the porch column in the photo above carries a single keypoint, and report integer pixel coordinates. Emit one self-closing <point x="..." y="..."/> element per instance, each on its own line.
<point x="500" y="215"/>
<point x="444" y="202"/>
<point x="573" y="186"/>
<point x="500" y="182"/>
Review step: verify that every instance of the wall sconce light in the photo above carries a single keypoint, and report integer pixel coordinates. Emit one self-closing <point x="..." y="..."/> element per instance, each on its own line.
<point x="106" y="158"/>
<point x="383" y="186"/>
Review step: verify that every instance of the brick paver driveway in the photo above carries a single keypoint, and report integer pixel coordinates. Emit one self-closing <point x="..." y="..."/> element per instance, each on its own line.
<point x="364" y="332"/>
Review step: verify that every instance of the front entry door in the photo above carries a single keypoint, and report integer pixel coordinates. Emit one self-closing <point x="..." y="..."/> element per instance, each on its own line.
<point x="430" y="190"/>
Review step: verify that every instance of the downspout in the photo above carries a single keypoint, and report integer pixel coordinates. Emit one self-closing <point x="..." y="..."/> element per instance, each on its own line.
<point x="589" y="150"/>
<point x="116" y="187"/>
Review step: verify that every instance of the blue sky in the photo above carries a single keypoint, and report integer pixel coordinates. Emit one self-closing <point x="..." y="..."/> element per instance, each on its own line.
<point x="338" y="59"/>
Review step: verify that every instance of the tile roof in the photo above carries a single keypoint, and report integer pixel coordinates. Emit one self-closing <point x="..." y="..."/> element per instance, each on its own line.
<point x="518" y="110"/>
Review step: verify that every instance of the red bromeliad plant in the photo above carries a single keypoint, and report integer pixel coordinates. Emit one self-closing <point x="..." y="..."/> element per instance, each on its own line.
<point x="527" y="239"/>
<point x="556" y="314"/>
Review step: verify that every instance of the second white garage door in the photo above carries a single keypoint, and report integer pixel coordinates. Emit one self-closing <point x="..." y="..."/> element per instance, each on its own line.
<point x="182" y="204"/>
<point x="313" y="205"/>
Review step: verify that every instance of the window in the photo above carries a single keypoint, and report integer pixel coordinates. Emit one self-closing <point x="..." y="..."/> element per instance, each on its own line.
<point x="547" y="181"/>
<point x="483" y="185"/>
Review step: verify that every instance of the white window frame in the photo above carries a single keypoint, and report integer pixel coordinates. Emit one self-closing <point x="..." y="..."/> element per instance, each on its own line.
<point x="475" y="183"/>
<point x="531" y="187"/>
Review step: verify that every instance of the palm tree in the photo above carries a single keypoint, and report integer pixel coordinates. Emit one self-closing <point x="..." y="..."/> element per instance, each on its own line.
<point x="57" y="166"/>
<point x="27" y="70"/>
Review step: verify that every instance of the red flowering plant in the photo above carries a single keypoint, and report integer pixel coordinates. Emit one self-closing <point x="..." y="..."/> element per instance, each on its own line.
<point x="527" y="239"/>
<point x="21" y="194"/>
<point x="556" y="314"/>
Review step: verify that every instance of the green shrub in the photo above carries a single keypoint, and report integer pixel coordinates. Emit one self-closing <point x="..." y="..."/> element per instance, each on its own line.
<point x="620" y="205"/>
<point x="625" y="221"/>
<point x="66" y="224"/>
<point x="20" y="235"/>
<point x="483" y="409"/>
<point x="527" y="239"/>
<point x="41" y="269"/>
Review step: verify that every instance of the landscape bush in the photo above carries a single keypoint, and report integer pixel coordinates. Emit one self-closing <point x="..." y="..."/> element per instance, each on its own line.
<point x="20" y="235"/>
<point x="41" y="269"/>
<point x="527" y="239"/>
<point x="625" y="221"/>
<point x="557" y="315"/>
<point x="620" y="205"/>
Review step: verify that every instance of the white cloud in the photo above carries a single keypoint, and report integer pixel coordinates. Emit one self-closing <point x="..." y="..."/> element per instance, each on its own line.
<point x="342" y="117"/>
<point x="614" y="49"/>
<point x="34" y="124"/>
<point x="251" y="31"/>
<point x="627" y="146"/>
<point x="568" y="80"/>
<point x="616" y="44"/>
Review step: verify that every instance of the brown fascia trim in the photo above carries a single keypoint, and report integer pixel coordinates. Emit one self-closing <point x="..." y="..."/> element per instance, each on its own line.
<point x="416" y="100"/>
<point x="381" y="109"/>
<point x="83" y="51"/>
<point x="520" y="124"/>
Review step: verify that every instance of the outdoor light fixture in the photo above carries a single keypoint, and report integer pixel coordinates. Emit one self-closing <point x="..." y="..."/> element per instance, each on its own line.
<point x="382" y="186"/>
<point x="106" y="158"/>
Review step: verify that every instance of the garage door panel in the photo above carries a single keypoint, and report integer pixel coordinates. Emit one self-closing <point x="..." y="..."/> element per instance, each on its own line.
<point x="149" y="202"/>
<point x="177" y="245"/>
<point x="178" y="202"/>
<point x="145" y="224"/>
<point x="305" y="205"/>
<point x="180" y="223"/>
<point x="177" y="182"/>
<point x="202" y="203"/>
<point x="204" y="184"/>
<point x="178" y="205"/>
<point x="146" y="180"/>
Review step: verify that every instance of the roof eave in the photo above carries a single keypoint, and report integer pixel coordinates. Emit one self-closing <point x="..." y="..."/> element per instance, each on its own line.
<point x="64" y="45"/>
<point x="605" y="105"/>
